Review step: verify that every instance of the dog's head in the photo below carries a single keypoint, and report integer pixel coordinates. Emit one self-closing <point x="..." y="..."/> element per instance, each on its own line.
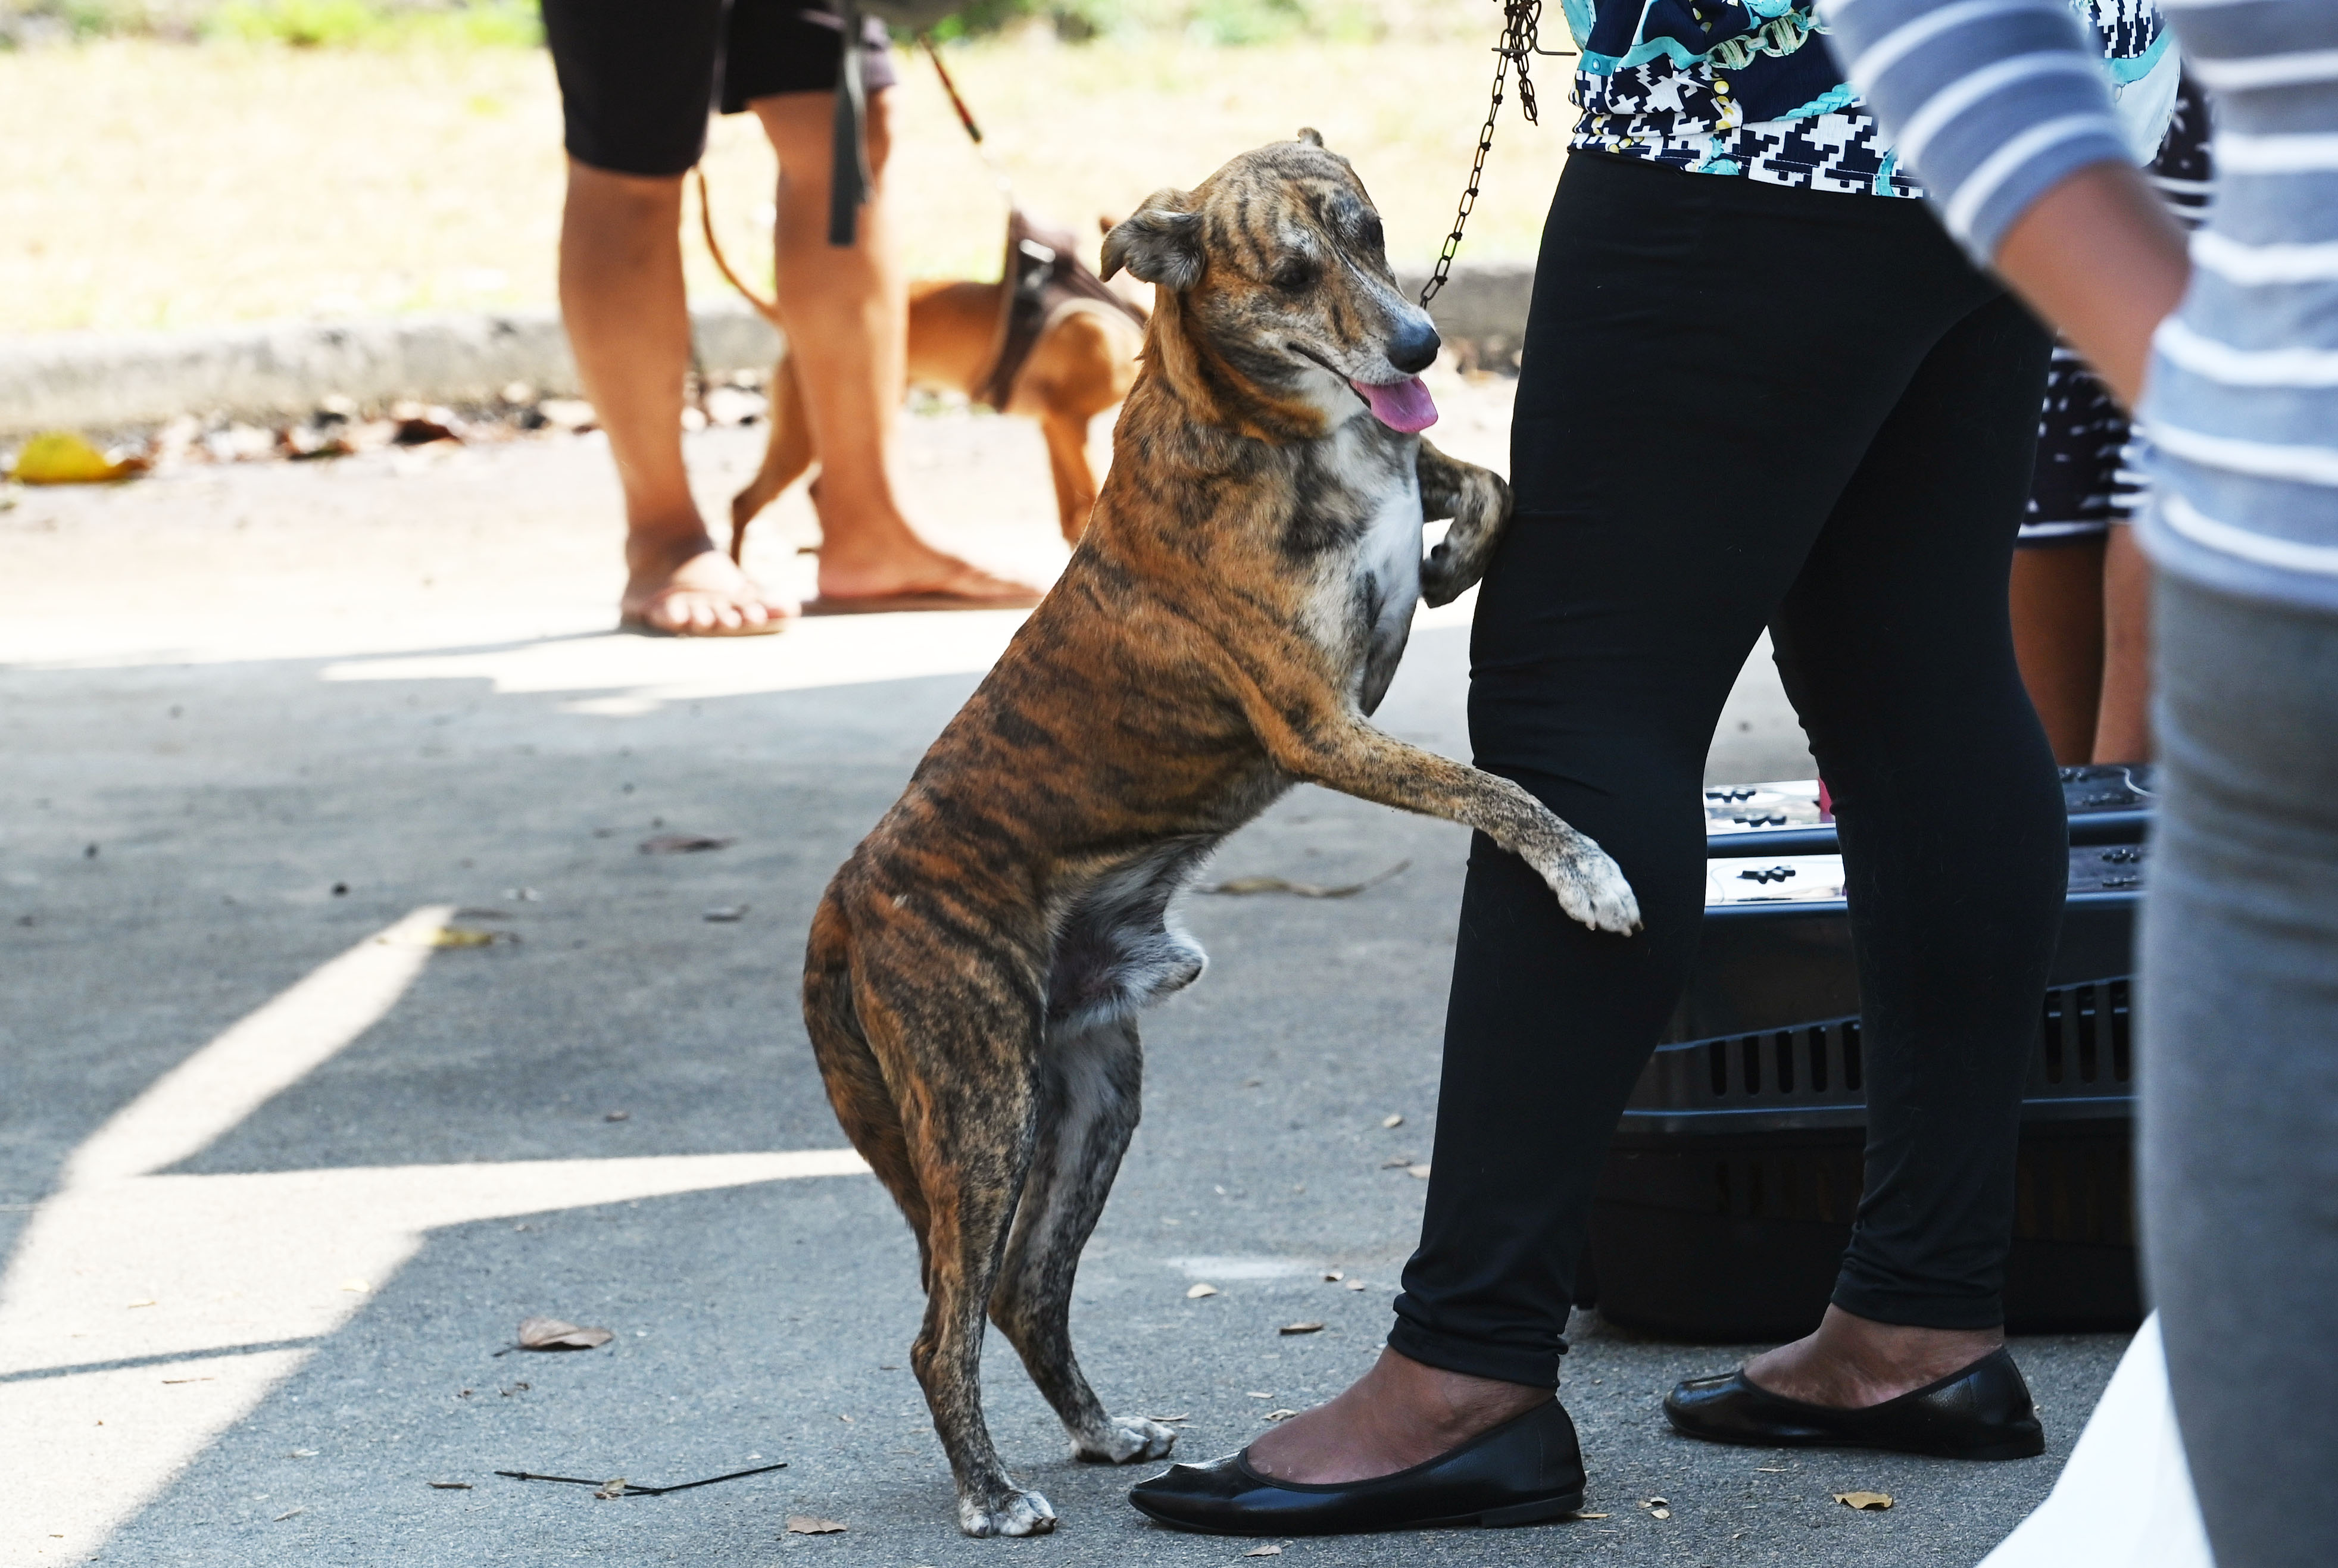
<point x="1274" y="273"/>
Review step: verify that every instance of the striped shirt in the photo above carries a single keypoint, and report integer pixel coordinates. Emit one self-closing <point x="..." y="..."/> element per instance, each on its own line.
<point x="1996" y="102"/>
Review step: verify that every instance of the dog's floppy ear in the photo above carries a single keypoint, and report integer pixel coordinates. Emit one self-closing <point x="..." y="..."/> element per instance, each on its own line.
<point x="1161" y="242"/>
<point x="1308" y="134"/>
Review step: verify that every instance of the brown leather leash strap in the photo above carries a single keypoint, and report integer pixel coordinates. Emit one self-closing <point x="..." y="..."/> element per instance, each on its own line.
<point x="965" y="114"/>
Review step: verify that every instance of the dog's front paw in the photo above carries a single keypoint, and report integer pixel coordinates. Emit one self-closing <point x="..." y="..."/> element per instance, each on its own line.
<point x="1591" y="888"/>
<point x="1125" y="1440"/>
<point x="1017" y="1513"/>
<point x="1443" y="578"/>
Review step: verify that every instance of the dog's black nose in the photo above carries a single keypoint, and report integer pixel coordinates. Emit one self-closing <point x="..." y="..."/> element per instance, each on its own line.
<point x="1414" y="346"/>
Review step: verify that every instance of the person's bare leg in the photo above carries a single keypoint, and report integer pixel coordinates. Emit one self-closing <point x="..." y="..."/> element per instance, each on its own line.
<point x="621" y="296"/>
<point x="846" y="316"/>
<point x="2123" y="729"/>
<point x="1853" y="1361"/>
<point x="2058" y="636"/>
<point x="1399" y="1414"/>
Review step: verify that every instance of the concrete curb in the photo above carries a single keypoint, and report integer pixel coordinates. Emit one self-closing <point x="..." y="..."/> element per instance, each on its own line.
<point x="96" y="381"/>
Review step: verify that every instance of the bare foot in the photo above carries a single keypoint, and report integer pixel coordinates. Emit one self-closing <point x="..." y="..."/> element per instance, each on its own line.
<point x="917" y="568"/>
<point x="1396" y="1415"/>
<point x="691" y="589"/>
<point x="872" y="552"/>
<point x="1853" y="1362"/>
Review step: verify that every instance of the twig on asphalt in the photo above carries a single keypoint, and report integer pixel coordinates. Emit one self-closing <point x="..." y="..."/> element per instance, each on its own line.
<point x="634" y="1488"/>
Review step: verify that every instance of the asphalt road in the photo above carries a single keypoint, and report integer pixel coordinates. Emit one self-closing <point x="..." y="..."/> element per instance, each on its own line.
<point x="291" y="1265"/>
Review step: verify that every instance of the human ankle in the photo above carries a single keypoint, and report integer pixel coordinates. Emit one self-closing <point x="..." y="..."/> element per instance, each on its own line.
<point x="662" y="548"/>
<point x="1853" y="1361"/>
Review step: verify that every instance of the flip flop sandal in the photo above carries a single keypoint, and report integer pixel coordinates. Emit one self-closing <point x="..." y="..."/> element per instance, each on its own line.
<point x="890" y="604"/>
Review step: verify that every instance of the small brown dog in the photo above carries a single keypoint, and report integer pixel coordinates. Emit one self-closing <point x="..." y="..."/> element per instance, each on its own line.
<point x="1047" y="341"/>
<point x="1237" y="607"/>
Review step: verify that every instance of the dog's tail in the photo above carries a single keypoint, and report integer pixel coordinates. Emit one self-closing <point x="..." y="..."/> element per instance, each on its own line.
<point x="768" y="309"/>
<point x="856" y="1084"/>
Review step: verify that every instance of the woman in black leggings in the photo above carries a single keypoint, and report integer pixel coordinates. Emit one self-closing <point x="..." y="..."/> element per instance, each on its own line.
<point x="1741" y="404"/>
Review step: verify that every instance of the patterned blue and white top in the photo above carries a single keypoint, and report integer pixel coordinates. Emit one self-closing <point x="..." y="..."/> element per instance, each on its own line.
<point x="1996" y="103"/>
<point x="1743" y="88"/>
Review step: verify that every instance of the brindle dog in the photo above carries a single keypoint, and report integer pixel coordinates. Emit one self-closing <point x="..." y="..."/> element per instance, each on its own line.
<point x="1236" y="607"/>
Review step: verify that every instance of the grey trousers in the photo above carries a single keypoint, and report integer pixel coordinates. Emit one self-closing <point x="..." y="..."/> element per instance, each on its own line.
<point x="2239" y="1135"/>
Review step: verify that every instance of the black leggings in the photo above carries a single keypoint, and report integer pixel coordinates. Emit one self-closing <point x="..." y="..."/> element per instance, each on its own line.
<point x="1744" y="404"/>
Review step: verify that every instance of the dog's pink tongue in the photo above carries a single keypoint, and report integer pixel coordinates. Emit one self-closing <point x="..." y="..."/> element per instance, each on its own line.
<point x="1399" y="405"/>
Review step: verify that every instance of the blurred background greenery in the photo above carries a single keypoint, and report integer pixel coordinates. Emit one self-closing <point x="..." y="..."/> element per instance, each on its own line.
<point x="379" y="23"/>
<point x="187" y="162"/>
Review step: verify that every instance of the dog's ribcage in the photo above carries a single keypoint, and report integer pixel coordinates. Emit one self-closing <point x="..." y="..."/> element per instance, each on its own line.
<point x="1115" y="946"/>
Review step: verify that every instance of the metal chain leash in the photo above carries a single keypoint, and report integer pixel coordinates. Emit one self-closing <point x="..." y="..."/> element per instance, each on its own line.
<point x="1521" y="20"/>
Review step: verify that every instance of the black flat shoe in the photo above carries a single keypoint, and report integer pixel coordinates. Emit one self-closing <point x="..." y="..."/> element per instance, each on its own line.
<point x="1526" y="1471"/>
<point x="1980" y="1413"/>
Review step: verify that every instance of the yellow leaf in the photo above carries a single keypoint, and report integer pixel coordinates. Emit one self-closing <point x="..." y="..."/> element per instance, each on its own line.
<point x="61" y="457"/>
<point x="1873" y="1501"/>
<point x="1196" y="1292"/>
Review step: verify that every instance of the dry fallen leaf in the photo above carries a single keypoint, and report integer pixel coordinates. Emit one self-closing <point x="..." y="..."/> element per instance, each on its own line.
<point x="1241" y="886"/>
<point x="683" y="843"/>
<point x="1181" y="1415"/>
<point x="465" y="936"/>
<point x="288" y="1513"/>
<point x="1589" y="1515"/>
<point x="1355" y="1284"/>
<point x="60" y="457"/>
<point x="1269" y="1550"/>
<point x="1281" y="1414"/>
<point x="1301" y="1328"/>
<point x="805" y="1525"/>
<point x="450" y="1486"/>
<point x="1873" y="1501"/>
<point x="1660" y="1512"/>
<point x="552" y="1334"/>
<point x="1418" y="1170"/>
<point x="726" y="914"/>
<point x="610" y="1489"/>
<point x="1391" y="1121"/>
<point x="1334" y="1276"/>
<point x="1195" y="1292"/>
<point x="1399" y="1163"/>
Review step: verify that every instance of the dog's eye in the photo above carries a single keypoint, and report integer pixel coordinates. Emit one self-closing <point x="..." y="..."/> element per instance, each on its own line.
<point x="1368" y="233"/>
<point x="1295" y="274"/>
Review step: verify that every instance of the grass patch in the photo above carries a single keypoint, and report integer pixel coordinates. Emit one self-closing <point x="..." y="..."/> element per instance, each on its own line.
<point x="370" y="23"/>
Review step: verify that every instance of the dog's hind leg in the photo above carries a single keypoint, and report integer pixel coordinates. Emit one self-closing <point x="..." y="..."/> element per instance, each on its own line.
<point x="964" y="1052"/>
<point x="1089" y="1091"/>
<point x="856" y="1084"/>
<point x="785" y="456"/>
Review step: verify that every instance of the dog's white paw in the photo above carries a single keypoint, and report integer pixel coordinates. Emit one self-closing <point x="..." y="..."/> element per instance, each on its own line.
<point x="1128" y="1439"/>
<point x="1022" y="1514"/>
<point x="1591" y="889"/>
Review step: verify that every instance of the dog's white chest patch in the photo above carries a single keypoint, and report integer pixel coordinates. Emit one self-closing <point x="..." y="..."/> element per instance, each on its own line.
<point x="1364" y="595"/>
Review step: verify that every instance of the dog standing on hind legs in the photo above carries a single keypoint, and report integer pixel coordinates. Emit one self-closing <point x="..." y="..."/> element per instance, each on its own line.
<point x="1235" y="612"/>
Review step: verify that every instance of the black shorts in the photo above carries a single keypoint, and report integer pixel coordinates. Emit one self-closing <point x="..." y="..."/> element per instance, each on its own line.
<point x="638" y="77"/>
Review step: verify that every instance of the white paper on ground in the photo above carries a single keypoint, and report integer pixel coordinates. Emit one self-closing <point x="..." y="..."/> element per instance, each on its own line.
<point x="2125" y="1499"/>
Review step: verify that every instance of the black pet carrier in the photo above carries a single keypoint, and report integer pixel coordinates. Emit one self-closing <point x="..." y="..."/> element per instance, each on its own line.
<point x="1727" y="1197"/>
